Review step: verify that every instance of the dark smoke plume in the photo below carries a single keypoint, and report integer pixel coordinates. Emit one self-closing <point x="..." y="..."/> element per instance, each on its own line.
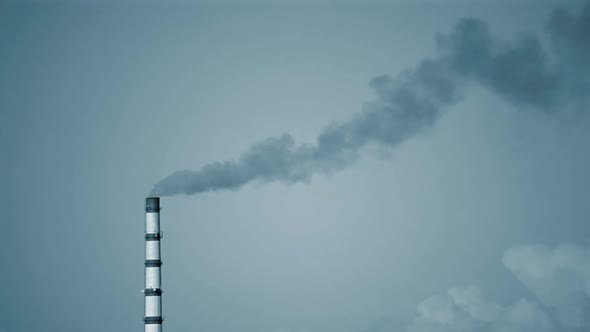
<point x="521" y="72"/>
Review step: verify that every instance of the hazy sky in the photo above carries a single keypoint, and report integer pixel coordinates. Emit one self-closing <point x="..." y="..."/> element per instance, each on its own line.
<point x="479" y="222"/>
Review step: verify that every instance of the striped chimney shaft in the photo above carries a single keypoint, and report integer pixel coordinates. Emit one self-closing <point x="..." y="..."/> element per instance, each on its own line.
<point x="153" y="276"/>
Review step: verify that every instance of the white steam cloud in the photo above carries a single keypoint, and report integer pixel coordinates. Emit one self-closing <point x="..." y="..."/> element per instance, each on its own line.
<point x="558" y="277"/>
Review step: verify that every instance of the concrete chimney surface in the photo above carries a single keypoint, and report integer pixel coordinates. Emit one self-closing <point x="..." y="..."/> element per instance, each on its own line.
<point x="153" y="263"/>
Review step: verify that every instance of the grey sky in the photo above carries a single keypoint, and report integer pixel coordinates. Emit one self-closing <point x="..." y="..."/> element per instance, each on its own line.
<point x="97" y="103"/>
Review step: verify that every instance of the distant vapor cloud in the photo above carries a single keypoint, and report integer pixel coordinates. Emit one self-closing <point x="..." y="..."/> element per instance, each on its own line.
<point x="521" y="72"/>
<point x="558" y="277"/>
<point x="465" y="309"/>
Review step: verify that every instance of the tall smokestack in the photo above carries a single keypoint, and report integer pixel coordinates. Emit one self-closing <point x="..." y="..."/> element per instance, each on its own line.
<point x="153" y="277"/>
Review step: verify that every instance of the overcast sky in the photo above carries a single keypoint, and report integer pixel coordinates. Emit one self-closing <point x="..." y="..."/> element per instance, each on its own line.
<point x="477" y="222"/>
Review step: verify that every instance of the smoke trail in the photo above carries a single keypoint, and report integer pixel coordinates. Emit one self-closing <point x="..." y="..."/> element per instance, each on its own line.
<point x="405" y="107"/>
<point x="521" y="72"/>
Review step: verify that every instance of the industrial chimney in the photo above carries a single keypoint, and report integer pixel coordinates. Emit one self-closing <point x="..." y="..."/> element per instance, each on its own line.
<point x="153" y="277"/>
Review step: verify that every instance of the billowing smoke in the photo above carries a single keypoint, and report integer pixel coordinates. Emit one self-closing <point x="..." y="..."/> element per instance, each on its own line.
<point x="522" y="72"/>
